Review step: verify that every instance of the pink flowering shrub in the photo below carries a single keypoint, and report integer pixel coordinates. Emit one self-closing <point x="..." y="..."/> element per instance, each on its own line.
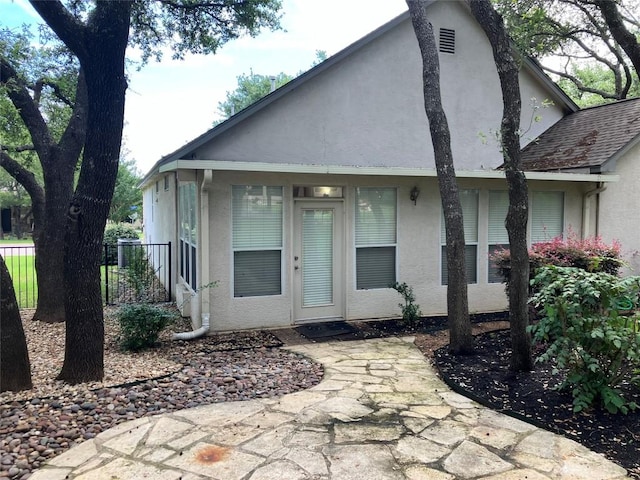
<point x="590" y="254"/>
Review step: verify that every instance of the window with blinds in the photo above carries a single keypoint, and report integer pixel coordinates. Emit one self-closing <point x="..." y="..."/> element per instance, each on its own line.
<point x="188" y="233"/>
<point x="547" y="216"/>
<point x="497" y="232"/>
<point x="375" y="237"/>
<point x="317" y="257"/>
<point x="257" y="240"/>
<point x="469" y="202"/>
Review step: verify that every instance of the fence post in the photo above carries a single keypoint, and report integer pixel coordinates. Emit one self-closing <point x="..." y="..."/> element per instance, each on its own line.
<point x="106" y="274"/>
<point x="169" y="263"/>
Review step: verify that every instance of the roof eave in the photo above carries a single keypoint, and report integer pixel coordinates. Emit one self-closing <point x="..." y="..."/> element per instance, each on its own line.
<point x="261" y="167"/>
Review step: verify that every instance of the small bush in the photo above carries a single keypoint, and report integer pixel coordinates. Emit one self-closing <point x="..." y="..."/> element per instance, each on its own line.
<point x="111" y="235"/>
<point x="590" y="254"/>
<point x="141" y="324"/>
<point x="588" y="324"/>
<point x="410" y="311"/>
<point x="119" y="230"/>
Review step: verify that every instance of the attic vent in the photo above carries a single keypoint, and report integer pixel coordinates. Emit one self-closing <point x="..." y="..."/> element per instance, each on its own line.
<point x="447" y="41"/>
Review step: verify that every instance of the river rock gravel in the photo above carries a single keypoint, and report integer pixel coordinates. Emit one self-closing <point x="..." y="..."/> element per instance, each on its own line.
<point x="41" y="423"/>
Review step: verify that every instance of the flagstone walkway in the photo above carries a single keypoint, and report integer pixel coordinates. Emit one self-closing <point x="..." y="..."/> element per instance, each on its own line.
<point x="380" y="413"/>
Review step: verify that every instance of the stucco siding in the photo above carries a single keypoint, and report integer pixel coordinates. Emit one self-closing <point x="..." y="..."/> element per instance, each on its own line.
<point x="418" y="249"/>
<point x="368" y="109"/>
<point x="620" y="210"/>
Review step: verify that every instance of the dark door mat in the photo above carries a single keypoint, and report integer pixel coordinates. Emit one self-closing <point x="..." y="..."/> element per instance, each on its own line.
<point x="315" y="331"/>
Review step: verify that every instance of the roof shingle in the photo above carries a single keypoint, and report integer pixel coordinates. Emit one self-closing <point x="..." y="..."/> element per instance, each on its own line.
<point x="585" y="139"/>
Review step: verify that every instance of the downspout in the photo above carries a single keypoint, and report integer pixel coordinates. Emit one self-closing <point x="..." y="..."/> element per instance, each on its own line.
<point x="586" y="209"/>
<point x="205" y="274"/>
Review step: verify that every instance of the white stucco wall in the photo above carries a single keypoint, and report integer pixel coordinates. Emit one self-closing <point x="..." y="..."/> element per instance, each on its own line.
<point x="368" y="109"/>
<point x="620" y="210"/>
<point x="418" y="249"/>
<point x="159" y="222"/>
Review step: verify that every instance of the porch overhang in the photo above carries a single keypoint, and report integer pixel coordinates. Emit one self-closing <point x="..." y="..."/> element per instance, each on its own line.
<point x="233" y="166"/>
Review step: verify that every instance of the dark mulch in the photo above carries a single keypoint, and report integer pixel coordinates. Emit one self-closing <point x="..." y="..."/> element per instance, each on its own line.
<point x="361" y="330"/>
<point x="485" y="377"/>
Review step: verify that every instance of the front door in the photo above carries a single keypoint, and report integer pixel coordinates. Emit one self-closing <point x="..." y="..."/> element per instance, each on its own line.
<point x="318" y="269"/>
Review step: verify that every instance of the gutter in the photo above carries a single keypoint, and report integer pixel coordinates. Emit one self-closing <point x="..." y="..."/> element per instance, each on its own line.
<point x="586" y="209"/>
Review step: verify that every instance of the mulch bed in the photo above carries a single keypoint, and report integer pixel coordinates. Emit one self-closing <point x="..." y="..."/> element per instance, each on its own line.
<point x="485" y="377"/>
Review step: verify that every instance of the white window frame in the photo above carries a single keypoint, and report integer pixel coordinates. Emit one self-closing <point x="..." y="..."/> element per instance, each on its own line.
<point x="188" y="233"/>
<point x="361" y="243"/>
<point x="470" y="237"/>
<point x="241" y="243"/>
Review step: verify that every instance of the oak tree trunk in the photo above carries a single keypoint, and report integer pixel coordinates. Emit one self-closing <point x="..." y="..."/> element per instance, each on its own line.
<point x="15" y="371"/>
<point x="460" y="338"/>
<point x="100" y="47"/>
<point x="49" y="243"/>
<point x="516" y="221"/>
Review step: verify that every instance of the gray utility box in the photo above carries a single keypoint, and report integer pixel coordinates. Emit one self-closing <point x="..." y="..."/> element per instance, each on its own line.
<point x="128" y="250"/>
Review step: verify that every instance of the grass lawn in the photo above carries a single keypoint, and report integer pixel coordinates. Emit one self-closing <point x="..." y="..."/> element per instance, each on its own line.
<point x="22" y="269"/>
<point x="26" y="241"/>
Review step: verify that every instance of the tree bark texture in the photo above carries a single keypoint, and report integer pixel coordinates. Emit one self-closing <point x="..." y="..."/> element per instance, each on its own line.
<point x="517" y="216"/>
<point x="15" y="370"/>
<point x="460" y="338"/>
<point x="100" y="46"/>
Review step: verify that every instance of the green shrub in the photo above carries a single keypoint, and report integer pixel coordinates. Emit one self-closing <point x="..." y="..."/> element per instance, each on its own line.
<point x="590" y="325"/>
<point x="141" y="325"/>
<point x="139" y="272"/>
<point x="111" y="235"/>
<point x="410" y="311"/>
<point x="590" y="254"/>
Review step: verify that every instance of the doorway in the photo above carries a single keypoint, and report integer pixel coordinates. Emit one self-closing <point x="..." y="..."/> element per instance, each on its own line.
<point x="318" y="267"/>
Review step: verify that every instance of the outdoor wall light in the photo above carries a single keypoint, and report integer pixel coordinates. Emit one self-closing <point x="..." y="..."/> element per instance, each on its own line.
<point x="415" y="192"/>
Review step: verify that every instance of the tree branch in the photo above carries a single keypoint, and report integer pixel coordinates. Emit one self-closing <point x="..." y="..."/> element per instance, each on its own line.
<point x="624" y="37"/>
<point x="18" y="149"/>
<point x="26" y="106"/>
<point x="73" y="138"/>
<point x="25" y="178"/>
<point x="580" y="86"/>
<point x="66" y="27"/>
<point x="57" y="91"/>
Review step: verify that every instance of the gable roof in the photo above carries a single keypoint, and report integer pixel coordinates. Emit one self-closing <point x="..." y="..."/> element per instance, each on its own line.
<point x="587" y="139"/>
<point x="187" y="151"/>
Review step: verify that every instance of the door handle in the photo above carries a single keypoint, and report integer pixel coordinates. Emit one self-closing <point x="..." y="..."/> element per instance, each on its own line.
<point x="296" y="267"/>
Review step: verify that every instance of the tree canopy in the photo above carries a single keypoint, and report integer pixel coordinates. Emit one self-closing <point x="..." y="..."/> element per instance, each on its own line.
<point x="254" y="86"/>
<point x="575" y="44"/>
<point x="250" y="89"/>
<point x="127" y="197"/>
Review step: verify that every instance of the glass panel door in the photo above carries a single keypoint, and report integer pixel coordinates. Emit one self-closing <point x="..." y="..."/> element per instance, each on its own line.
<point x="318" y="268"/>
<point x="317" y="257"/>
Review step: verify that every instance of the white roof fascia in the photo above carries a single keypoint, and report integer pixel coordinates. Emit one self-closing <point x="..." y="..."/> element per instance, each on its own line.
<point x="232" y="166"/>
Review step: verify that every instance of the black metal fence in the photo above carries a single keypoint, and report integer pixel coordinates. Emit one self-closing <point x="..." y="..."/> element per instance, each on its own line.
<point x="132" y="272"/>
<point x="21" y="262"/>
<point x="137" y="272"/>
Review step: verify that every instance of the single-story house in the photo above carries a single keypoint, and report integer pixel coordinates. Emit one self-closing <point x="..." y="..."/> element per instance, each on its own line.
<point x="308" y="204"/>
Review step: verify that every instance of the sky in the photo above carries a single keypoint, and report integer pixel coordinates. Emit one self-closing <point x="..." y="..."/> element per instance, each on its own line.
<point x="172" y="102"/>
